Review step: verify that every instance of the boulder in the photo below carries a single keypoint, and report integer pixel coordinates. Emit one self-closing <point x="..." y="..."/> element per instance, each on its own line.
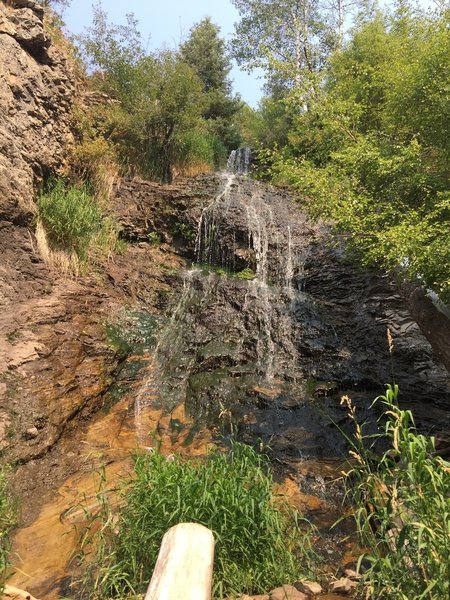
<point x="287" y="592"/>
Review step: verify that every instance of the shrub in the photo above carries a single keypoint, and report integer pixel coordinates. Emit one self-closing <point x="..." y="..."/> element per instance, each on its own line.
<point x="246" y="273"/>
<point x="258" y="545"/>
<point x="73" y="222"/>
<point x="403" y="512"/>
<point x="71" y="217"/>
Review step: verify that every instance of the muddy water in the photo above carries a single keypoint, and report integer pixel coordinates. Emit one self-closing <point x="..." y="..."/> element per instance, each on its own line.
<point x="43" y="552"/>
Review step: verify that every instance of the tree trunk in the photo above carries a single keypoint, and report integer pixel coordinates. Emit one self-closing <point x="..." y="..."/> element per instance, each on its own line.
<point x="434" y="324"/>
<point x="185" y="564"/>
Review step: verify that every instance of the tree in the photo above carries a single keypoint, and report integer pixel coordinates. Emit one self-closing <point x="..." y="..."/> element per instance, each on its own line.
<point x="372" y="152"/>
<point x="158" y="97"/>
<point x="288" y="38"/>
<point x="205" y="52"/>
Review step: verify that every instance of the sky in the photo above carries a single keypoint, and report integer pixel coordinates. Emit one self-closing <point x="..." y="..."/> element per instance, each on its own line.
<point x="166" y="23"/>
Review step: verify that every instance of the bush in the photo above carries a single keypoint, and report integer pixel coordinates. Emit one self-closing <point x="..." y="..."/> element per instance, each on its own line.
<point x="403" y="512"/>
<point x="258" y="545"/>
<point x="71" y="217"/>
<point x="73" y="221"/>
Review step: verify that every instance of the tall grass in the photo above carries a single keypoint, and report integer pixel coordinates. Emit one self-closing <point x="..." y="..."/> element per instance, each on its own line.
<point x="259" y="544"/>
<point x="403" y="514"/>
<point x="7" y="522"/>
<point x="73" y="222"/>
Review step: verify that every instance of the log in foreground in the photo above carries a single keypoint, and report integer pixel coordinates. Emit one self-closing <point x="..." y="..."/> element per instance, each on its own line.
<point x="184" y="567"/>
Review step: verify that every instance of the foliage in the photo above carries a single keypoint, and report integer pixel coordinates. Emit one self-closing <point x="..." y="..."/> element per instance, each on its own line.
<point x="371" y="152"/>
<point x="246" y="274"/>
<point x="157" y="98"/>
<point x="258" y="544"/>
<point x="205" y="52"/>
<point x="402" y="507"/>
<point x="289" y="39"/>
<point x="7" y="522"/>
<point x="73" y="221"/>
<point x="169" y="112"/>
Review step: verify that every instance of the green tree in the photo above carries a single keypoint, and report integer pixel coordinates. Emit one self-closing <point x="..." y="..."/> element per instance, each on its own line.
<point x="372" y="151"/>
<point x="205" y="52"/>
<point x="158" y="104"/>
<point x="289" y="39"/>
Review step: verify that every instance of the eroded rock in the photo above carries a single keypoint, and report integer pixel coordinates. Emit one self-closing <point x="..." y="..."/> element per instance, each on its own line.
<point x="287" y="592"/>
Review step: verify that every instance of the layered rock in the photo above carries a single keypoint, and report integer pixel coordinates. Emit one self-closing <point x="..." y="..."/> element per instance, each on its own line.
<point x="36" y="95"/>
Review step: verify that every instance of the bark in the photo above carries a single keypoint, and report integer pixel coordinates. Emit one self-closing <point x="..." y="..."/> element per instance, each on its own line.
<point x="434" y="324"/>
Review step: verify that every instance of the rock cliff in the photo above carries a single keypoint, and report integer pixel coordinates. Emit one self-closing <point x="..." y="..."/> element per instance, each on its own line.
<point x="36" y="95"/>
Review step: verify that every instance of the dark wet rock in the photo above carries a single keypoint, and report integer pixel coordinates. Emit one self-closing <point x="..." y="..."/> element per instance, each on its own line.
<point x="273" y="354"/>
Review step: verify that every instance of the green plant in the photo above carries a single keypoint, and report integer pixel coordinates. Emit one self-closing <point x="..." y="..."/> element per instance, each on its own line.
<point x="70" y="216"/>
<point x="73" y="222"/>
<point x="259" y="544"/>
<point x="402" y="507"/>
<point x="7" y="522"/>
<point x="154" y="238"/>
<point x="246" y="273"/>
<point x="183" y="230"/>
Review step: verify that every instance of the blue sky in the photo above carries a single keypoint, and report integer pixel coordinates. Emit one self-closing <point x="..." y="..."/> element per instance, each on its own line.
<point x="166" y="23"/>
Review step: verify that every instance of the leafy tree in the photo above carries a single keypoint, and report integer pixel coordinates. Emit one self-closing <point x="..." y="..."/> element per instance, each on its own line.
<point x="158" y="96"/>
<point x="288" y="38"/>
<point x="205" y="52"/>
<point x="372" y="151"/>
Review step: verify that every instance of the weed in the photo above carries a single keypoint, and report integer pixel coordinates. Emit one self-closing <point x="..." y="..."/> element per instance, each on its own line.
<point x="154" y="239"/>
<point x="403" y="507"/>
<point x="74" y="223"/>
<point x="7" y="522"/>
<point x="183" y="230"/>
<point x="246" y="274"/>
<point x="14" y="336"/>
<point x="259" y="543"/>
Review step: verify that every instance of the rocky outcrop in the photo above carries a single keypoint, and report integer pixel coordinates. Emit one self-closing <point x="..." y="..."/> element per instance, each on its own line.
<point x="36" y="95"/>
<point x="306" y="316"/>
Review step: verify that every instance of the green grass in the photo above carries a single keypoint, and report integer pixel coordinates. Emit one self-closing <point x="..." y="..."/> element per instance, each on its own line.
<point x="7" y="522"/>
<point x="246" y="274"/>
<point x="403" y="508"/>
<point x="259" y="543"/>
<point x="73" y="221"/>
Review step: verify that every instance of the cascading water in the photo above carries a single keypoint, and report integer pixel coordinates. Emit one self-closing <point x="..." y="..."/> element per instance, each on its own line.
<point x="239" y="161"/>
<point x="249" y="344"/>
<point x="230" y="333"/>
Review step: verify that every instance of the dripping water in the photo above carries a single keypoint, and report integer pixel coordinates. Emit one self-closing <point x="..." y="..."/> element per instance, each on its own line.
<point x="231" y="334"/>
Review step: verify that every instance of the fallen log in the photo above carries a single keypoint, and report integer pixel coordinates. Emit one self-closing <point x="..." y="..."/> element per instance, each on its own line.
<point x="185" y="564"/>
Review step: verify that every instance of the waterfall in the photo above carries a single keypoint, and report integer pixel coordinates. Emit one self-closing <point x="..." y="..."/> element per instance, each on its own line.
<point x="239" y="161"/>
<point x="231" y="331"/>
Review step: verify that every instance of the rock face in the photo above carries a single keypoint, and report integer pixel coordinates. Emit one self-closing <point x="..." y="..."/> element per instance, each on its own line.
<point x="276" y="325"/>
<point x="36" y="95"/>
